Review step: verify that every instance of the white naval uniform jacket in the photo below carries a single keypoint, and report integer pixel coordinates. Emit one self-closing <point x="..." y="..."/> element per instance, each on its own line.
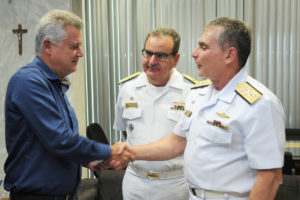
<point x="149" y="117"/>
<point x="225" y="158"/>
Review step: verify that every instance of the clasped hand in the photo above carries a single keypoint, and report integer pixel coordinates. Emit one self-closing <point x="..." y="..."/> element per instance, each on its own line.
<point x="119" y="159"/>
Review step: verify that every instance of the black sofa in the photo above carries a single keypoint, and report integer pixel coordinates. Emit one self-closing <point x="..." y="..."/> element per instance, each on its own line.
<point x="107" y="187"/>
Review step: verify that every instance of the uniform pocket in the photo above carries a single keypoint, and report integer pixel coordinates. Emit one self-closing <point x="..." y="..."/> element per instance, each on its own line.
<point x="132" y="113"/>
<point x="216" y="135"/>
<point x="174" y="115"/>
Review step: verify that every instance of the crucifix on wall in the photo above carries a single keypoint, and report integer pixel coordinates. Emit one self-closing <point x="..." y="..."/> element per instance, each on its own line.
<point x="20" y="32"/>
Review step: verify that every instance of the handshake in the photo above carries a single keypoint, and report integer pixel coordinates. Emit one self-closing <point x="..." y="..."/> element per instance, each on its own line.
<point x="121" y="155"/>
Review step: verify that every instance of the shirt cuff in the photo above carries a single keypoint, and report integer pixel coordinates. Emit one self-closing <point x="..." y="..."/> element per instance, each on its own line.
<point x="179" y="131"/>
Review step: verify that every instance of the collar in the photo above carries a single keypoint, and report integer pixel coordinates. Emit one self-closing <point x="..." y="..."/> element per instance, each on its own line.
<point x="227" y="94"/>
<point x="48" y="73"/>
<point x="174" y="82"/>
<point x="45" y="69"/>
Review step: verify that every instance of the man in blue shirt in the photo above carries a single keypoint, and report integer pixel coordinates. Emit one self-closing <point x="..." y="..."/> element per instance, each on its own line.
<point x="45" y="150"/>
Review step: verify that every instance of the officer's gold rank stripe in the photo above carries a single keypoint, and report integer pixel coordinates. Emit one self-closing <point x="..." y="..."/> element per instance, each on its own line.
<point x="202" y="83"/>
<point x="129" y="77"/>
<point x="248" y="92"/>
<point x="190" y="78"/>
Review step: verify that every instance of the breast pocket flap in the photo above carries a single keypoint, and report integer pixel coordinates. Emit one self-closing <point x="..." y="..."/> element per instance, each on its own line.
<point x="217" y="136"/>
<point x="132" y="113"/>
<point x="174" y="115"/>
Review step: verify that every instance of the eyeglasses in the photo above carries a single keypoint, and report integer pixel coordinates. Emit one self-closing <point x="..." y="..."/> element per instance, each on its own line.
<point x="159" y="56"/>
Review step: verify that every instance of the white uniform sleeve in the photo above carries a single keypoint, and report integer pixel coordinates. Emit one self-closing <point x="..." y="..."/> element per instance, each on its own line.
<point x="264" y="133"/>
<point x="119" y="124"/>
<point x="181" y="127"/>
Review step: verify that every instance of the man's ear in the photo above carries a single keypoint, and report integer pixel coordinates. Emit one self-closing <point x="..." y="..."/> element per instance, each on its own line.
<point x="47" y="45"/>
<point x="231" y="55"/>
<point x="176" y="58"/>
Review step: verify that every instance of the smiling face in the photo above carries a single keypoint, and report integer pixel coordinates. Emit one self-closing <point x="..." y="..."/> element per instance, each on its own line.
<point x="64" y="58"/>
<point x="209" y="56"/>
<point x="159" y="72"/>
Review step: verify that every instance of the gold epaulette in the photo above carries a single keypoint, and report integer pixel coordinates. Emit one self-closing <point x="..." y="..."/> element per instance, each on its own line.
<point x="195" y="81"/>
<point x="202" y="84"/>
<point x="248" y="92"/>
<point x="129" y="77"/>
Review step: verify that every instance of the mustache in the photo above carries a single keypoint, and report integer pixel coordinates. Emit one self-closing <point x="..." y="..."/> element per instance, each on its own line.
<point x="152" y="67"/>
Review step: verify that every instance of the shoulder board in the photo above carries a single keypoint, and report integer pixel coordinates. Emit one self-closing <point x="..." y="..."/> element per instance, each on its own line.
<point x="190" y="78"/>
<point x="248" y="92"/>
<point x="202" y="84"/>
<point x="129" y="77"/>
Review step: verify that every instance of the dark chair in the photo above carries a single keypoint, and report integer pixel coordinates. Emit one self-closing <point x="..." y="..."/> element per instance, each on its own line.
<point x="293" y="134"/>
<point x="96" y="133"/>
<point x="111" y="184"/>
<point x="288" y="163"/>
<point x="107" y="187"/>
<point x="89" y="189"/>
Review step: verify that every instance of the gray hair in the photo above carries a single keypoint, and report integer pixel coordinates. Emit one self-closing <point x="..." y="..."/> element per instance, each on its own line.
<point x="235" y="34"/>
<point x="166" y="31"/>
<point x="52" y="26"/>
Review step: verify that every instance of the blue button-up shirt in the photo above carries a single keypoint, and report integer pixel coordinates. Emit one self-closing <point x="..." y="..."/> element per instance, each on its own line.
<point x="44" y="148"/>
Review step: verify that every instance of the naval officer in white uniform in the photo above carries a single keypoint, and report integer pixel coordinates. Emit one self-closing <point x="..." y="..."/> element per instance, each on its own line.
<point x="232" y="132"/>
<point x="149" y="106"/>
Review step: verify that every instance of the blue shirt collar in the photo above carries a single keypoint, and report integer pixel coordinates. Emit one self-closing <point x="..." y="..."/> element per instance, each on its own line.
<point x="45" y="69"/>
<point x="49" y="74"/>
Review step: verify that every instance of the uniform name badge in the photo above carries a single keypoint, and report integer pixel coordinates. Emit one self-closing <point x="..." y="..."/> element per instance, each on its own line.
<point x="131" y="105"/>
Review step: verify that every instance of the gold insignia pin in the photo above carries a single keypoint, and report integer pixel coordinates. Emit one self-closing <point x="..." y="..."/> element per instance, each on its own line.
<point x="223" y="115"/>
<point x="179" y="102"/>
<point x="188" y="113"/>
<point x="131" y="105"/>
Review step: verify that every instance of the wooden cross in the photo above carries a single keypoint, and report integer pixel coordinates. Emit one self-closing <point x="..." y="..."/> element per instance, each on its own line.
<point x="20" y="31"/>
